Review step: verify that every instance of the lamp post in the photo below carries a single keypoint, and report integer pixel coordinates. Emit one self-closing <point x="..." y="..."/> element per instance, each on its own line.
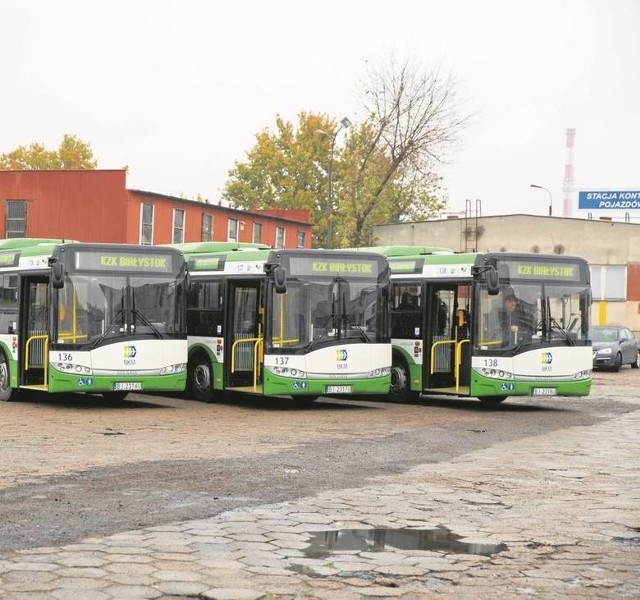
<point x="533" y="185"/>
<point x="344" y="124"/>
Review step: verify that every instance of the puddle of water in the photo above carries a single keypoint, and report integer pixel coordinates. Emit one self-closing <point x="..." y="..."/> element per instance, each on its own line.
<point x="631" y="541"/>
<point x="440" y="539"/>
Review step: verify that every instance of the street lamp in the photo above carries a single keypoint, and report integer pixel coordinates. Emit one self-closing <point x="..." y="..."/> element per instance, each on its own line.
<point x="533" y="185"/>
<point x="344" y="124"/>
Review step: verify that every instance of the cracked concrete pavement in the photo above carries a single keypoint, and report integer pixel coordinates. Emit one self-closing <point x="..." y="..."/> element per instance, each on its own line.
<point x="566" y="505"/>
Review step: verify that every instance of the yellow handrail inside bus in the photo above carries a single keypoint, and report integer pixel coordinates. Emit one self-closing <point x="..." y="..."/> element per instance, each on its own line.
<point x="433" y="351"/>
<point x="458" y="360"/>
<point x="69" y="335"/>
<point x="73" y="334"/>
<point x="45" y="353"/>
<point x="283" y="342"/>
<point x="233" y="350"/>
<point x="258" y="349"/>
<point x="281" y="336"/>
<point x="490" y="343"/>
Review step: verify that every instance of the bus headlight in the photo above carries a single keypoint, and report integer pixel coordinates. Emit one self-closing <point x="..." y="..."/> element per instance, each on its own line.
<point x="173" y="369"/>
<point x="383" y="372"/>
<point x="288" y="372"/>
<point x="73" y="369"/>
<point x="582" y="375"/>
<point x="496" y="374"/>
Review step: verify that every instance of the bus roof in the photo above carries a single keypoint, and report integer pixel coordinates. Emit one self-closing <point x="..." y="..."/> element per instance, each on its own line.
<point x="217" y="247"/>
<point x="402" y="251"/>
<point x="13" y="250"/>
<point x="21" y="243"/>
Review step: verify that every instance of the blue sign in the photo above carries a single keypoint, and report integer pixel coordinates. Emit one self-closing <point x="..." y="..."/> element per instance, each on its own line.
<point x="620" y="200"/>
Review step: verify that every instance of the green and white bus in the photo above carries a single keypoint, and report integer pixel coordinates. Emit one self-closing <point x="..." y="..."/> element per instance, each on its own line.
<point x="96" y="318"/>
<point x="449" y="330"/>
<point x="295" y="323"/>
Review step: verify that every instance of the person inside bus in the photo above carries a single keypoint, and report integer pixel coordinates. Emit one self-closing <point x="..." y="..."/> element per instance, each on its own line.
<point x="407" y="302"/>
<point x="515" y="321"/>
<point x="441" y="316"/>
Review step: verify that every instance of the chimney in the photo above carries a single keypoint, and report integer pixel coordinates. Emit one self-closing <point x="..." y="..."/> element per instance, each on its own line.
<point x="569" y="183"/>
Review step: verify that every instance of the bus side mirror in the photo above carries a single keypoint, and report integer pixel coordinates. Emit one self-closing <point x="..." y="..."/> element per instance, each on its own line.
<point x="280" y="278"/>
<point x="57" y="275"/>
<point x="493" y="285"/>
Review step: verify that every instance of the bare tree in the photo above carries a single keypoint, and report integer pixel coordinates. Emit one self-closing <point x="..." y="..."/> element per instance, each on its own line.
<point x="415" y="118"/>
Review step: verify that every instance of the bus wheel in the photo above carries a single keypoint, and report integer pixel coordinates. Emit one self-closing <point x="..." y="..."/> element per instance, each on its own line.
<point x="5" y="386"/>
<point x="399" y="390"/>
<point x="200" y="379"/>
<point x="492" y="400"/>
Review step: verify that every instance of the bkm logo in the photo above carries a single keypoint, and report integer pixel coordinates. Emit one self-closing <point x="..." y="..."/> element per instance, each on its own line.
<point x="546" y="358"/>
<point x="129" y="351"/>
<point x="341" y="355"/>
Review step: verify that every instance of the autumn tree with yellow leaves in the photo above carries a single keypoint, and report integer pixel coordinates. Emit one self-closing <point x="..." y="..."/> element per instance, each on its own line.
<point x="72" y="153"/>
<point x="385" y="169"/>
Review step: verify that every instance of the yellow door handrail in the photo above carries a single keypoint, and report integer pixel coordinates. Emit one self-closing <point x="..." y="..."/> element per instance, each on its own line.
<point x="233" y="350"/>
<point x="433" y="351"/>
<point x="45" y="354"/>
<point x="258" y="348"/>
<point x="458" y="360"/>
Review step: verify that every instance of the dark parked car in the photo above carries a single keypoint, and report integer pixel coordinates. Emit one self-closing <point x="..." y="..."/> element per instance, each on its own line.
<point x="613" y="346"/>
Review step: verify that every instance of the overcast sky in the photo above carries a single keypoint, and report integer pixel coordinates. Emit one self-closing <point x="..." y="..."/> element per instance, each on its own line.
<point x="178" y="90"/>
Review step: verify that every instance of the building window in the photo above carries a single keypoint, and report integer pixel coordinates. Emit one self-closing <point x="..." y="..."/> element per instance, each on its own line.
<point x="232" y="235"/>
<point x="178" y="226"/>
<point x="146" y="225"/>
<point x="608" y="282"/>
<point x="257" y="233"/>
<point x="16" y="222"/>
<point x="300" y="239"/>
<point x="206" y="232"/>
<point x="279" y="237"/>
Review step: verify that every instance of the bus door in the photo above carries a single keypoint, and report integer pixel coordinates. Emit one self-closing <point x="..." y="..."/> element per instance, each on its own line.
<point x="33" y="332"/>
<point x="446" y="338"/>
<point x="244" y="345"/>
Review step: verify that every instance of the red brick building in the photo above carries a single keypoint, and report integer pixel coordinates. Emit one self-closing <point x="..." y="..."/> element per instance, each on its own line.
<point x="96" y="206"/>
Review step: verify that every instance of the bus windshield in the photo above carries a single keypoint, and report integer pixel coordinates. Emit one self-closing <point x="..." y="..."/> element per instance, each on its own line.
<point x="321" y="311"/>
<point x="93" y="310"/>
<point x="524" y="314"/>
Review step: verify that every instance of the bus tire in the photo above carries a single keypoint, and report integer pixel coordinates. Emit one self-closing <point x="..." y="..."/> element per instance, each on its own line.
<point x="5" y="382"/>
<point x="200" y="379"/>
<point x="399" y="390"/>
<point x="492" y="400"/>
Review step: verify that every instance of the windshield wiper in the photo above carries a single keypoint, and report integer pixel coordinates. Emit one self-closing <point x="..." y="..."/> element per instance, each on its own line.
<point x="120" y="315"/>
<point x="555" y="326"/>
<point x="111" y="327"/>
<point x="330" y="319"/>
<point x="136" y="313"/>
<point x="350" y="321"/>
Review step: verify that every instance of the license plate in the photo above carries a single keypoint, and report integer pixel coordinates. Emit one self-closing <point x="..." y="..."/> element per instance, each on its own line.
<point x="127" y="386"/>
<point x="543" y="392"/>
<point x="337" y="389"/>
